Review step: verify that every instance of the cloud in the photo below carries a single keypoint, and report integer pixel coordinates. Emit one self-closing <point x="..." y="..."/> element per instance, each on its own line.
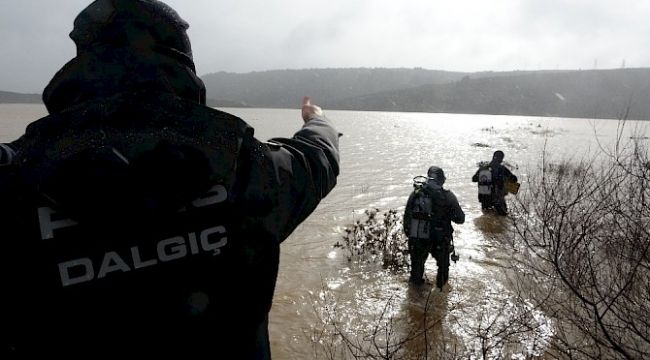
<point x="461" y="35"/>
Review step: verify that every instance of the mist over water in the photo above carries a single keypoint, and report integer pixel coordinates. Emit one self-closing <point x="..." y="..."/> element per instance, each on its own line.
<point x="380" y="155"/>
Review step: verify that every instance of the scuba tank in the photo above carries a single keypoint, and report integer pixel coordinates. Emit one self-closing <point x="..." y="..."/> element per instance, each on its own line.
<point x="421" y="211"/>
<point x="425" y="212"/>
<point x="485" y="181"/>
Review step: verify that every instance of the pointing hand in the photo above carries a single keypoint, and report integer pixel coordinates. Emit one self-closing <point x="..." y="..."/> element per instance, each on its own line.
<point x="309" y="110"/>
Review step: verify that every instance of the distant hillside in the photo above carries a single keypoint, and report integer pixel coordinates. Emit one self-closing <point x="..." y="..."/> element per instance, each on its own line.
<point x="17" y="98"/>
<point x="587" y="93"/>
<point x="575" y="93"/>
<point x="224" y="103"/>
<point x="284" y="88"/>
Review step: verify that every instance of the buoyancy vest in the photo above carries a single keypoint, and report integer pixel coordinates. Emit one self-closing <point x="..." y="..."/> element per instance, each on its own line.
<point x="485" y="181"/>
<point x="429" y="214"/>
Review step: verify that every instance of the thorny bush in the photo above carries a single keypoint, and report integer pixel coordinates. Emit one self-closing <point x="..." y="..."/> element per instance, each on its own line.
<point x="583" y="238"/>
<point x="377" y="237"/>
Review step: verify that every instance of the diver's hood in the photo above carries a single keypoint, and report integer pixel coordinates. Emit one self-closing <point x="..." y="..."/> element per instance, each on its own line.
<point x="126" y="45"/>
<point x="132" y="155"/>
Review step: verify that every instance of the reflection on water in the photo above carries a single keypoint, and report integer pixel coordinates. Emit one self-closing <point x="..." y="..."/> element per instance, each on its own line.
<point x="491" y="224"/>
<point x="380" y="154"/>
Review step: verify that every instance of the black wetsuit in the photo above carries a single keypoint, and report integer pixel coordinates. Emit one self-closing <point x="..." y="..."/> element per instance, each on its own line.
<point x="496" y="198"/>
<point x="438" y="207"/>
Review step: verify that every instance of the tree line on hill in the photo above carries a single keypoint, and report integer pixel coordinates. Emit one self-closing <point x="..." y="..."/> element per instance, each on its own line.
<point x="7" y="97"/>
<point x="609" y="94"/>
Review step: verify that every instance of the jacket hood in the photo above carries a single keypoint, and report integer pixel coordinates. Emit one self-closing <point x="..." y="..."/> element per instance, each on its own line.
<point x="131" y="155"/>
<point x="126" y="45"/>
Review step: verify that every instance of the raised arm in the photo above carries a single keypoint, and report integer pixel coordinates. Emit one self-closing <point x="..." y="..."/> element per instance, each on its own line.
<point x="306" y="167"/>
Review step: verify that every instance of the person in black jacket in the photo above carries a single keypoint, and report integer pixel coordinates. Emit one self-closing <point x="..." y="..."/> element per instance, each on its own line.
<point x="428" y="215"/>
<point x="492" y="187"/>
<point x="135" y="219"/>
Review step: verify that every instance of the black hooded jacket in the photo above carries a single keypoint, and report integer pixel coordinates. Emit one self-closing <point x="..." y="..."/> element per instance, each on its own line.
<point x="146" y="223"/>
<point x="134" y="220"/>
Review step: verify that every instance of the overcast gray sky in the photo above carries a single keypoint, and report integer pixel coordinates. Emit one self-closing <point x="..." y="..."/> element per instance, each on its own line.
<point x="455" y="35"/>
